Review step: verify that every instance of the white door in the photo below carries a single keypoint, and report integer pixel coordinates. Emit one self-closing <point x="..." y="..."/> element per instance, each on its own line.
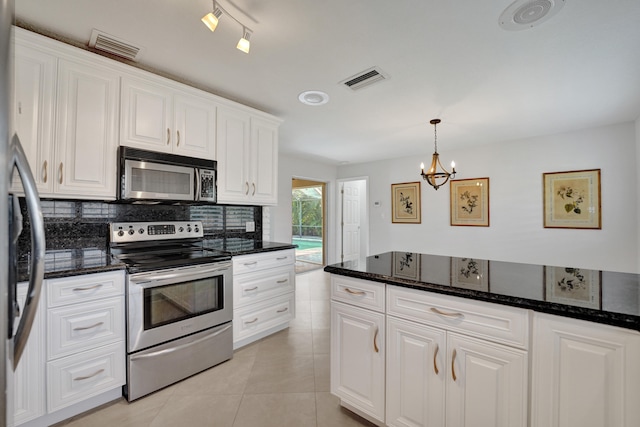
<point x="416" y="374"/>
<point x="584" y="374"/>
<point x="357" y="358"/>
<point x="352" y="206"/>
<point x="487" y="384"/>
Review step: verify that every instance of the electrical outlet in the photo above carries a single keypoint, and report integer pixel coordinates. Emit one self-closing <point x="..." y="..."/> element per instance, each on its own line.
<point x="250" y="226"/>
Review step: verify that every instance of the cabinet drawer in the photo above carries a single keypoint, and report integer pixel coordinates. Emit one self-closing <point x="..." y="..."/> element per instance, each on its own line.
<point x="497" y="323"/>
<point x="78" y="377"/>
<point x="256" y="287"/>
<point x="361" y="293"/>
<point x="258" y="317"/>
<point x="79" y="327"/>
<point x="255" y="262"/>
<point x="86" y="287"/>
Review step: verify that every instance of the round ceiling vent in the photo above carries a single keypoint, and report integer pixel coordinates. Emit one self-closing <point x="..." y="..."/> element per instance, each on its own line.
<point x="524" y="14"/>
<point x="313" y="97"/>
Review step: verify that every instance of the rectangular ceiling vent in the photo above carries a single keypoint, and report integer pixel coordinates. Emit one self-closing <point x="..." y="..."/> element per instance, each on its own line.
<point x="115" y="46"/>
<point x="365" y="78"/>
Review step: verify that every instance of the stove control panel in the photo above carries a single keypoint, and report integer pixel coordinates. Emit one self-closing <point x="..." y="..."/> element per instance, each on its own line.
<point x="129" y="232"/>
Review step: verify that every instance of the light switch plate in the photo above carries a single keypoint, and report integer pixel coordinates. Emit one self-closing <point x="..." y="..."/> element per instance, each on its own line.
<point x="250" y="226"/>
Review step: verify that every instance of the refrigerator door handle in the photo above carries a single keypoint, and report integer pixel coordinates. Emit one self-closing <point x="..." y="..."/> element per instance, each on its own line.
<point x="19" y="159"/>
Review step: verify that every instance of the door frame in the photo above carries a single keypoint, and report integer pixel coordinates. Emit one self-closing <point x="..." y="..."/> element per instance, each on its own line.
<point x="364" y="207"/>
<point x="325" y="210"/>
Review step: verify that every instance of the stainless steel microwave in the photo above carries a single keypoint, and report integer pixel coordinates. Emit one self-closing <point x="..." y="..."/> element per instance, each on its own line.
<point x="149" y="176"/>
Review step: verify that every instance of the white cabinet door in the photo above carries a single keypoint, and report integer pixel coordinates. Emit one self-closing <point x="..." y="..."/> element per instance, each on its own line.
<point x="146" y="116"/>
<point x="29" y="376"/>
<point x="195" y="127"/>
<point x="358" y="358"/>
<point x="486" y="384"/>
<point x="584" y="374"/>
<point x="35" y="79"/>
<point x="416" y="374"/>
<point x="264" y="162"/>
<point x="233" y="156"/>
<point x="87" y="137"/>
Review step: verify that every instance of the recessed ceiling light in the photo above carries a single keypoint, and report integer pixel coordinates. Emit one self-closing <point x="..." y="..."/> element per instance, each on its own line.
<point x="313" y="97"/>
<point x="525" y="14"/>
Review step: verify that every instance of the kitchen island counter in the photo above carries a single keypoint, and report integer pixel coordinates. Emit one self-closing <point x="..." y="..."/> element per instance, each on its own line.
<point x="611" y="298"/>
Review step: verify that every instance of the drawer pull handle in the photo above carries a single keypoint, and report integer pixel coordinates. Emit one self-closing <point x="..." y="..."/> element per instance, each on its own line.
<point x="251" y="321"/>
<point x="86" y="377"/>
<point x="281" y="258"/>
<point x="453" y="365"/>
<point x="283" y="281"/>
<point x="435" y="362"/>
<point x="84" y="328"/>
<point x="250" y="263"/>
<point x="89" y="288"/>
<point x="354" y="292"/>
<point x="375" y="345"/>
<point x="444" y="313"/>
<point x="282" y="310"/>
<point x="251" y="289"/>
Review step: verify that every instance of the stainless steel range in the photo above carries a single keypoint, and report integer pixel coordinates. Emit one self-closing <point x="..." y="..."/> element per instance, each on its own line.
<point x="179" y="303"/>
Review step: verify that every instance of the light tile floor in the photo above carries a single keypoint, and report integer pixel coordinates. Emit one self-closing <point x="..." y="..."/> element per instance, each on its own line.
<point x="279" y="381"/>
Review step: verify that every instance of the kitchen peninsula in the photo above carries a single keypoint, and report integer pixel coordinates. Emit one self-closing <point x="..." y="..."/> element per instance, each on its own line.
<point x="418" y="339"/>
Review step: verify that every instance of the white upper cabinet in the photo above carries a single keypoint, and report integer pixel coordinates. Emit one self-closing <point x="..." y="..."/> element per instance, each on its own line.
<point x="157" y="117"/>
<point x="66" y="116"/>
<point x="87" y="130"/>
<point x="247" y="158"/>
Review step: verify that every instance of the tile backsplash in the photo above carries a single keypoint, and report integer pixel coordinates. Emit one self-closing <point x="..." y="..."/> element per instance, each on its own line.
<point x="68" y="221"/>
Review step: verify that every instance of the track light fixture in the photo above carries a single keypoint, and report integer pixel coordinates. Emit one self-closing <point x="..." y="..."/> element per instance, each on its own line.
<point x="211" y="21"/>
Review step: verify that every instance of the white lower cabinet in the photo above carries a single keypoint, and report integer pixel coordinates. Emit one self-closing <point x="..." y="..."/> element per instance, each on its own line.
<point x="584" y="374"/>
<point x="263" y="294"/>
<point x="357" y="359"/>
<point x="29" y="377"/>
<point x="80" y="362"/>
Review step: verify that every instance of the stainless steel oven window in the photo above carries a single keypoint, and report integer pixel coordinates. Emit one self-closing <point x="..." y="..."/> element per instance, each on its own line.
<point x="155" y="180"/>
<point x="172" y="303"/>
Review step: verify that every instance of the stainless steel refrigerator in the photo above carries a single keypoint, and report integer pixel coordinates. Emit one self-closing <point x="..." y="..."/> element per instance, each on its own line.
<point x="12" y="156"/>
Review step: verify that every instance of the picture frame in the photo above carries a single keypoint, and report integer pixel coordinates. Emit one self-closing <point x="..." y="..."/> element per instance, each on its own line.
<point x="406" y="265"/>
<point x="405" y="203"/>
<point x="573" y="286"/>
<point x="470" y="202"/>
<point x="572" y="199"/>
<point x="470" y="273"/>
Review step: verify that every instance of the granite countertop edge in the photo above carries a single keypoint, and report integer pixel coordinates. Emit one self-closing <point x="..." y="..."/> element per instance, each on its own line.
<point x="272" y="247"/>
<point x="626" y="321"/>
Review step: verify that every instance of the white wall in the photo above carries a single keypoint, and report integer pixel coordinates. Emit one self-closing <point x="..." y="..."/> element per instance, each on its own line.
<point x="515" y="170"/>
<point x="279" y="217"/>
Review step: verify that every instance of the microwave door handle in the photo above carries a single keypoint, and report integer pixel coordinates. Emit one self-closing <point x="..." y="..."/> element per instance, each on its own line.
<point x="198" y="183"/>
<point x="19" y="159"/>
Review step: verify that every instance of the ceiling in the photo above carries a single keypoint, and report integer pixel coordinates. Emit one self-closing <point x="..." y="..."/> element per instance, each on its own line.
<point x="444" y="59"/>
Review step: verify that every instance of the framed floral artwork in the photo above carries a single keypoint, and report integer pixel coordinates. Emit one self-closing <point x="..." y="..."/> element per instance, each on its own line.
<point x="573" y="286"/>
<point x="470" y="273"/>
<point x="406" y="265"/>
<point x="572" y="199"/>
<point x="405" y="203"/>
<point x="470" y="202"/>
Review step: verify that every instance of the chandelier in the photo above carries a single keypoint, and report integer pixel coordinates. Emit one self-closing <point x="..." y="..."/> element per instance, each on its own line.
<point x="434" y="177"/>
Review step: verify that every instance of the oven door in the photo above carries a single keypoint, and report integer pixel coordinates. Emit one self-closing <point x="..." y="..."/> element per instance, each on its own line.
<point x="167" y="304"/>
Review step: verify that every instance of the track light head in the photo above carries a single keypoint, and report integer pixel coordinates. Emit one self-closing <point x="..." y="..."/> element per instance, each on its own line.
<point x="211" y="19"/>
<point x="244" y="44"/>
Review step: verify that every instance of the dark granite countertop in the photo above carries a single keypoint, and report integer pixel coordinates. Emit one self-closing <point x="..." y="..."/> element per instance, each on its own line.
<point x="599" y="296"/>
<point x="71" y="257"/>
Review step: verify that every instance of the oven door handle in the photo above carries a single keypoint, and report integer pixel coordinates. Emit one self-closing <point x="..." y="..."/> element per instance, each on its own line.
<point x="182" y="274"/>
<point x="179" y="347"/>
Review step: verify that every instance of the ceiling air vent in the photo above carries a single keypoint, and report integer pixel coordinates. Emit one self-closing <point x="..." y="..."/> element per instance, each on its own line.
<point x="365" y="78"/>
<point x="113" y="45"/>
